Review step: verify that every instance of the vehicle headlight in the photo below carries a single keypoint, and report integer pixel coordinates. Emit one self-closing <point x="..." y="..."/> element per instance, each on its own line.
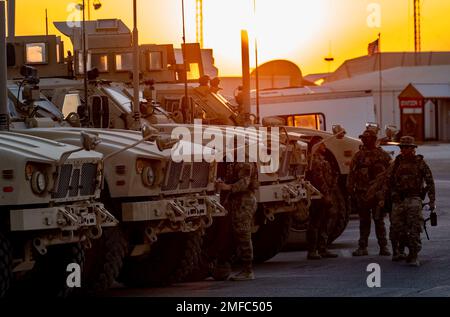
<point x="38" y="182"/>
<point x="148" y="176"/>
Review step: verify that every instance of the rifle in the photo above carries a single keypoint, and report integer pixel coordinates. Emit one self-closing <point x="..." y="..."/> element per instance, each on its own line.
<point x="432" y="218"/>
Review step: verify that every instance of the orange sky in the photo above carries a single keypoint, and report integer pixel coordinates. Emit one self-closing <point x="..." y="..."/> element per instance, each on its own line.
<point x="299" y="30"/>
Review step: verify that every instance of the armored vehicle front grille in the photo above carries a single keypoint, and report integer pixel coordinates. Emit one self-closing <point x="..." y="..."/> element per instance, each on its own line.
<point x="64" y="181"/>
<point x="173" y="176"/>
<point x="200" y="175"/>
<point x="185" y="176"/>
<point x="88" y="179"/>
<point x="73" y="182"/>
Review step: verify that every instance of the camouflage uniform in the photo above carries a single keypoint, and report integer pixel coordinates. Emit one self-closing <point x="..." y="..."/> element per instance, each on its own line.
<point x="406" y="179"/>
<point x="365" y="166"/>
<point x="324" y="179"/>
<point x="243" y="205"/>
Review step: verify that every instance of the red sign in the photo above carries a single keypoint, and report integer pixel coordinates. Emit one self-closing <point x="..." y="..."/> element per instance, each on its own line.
<point x="411" y="103"/>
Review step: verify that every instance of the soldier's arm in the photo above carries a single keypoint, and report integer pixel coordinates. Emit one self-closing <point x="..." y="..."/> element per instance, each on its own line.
<point x="428" y="177"/>
<point x="351" y="175"/>
<point x="318" y="178"/>
<point x="244" y="176"/>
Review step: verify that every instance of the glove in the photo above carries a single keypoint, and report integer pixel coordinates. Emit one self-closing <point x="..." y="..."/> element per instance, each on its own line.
<point x="432" y="206"/>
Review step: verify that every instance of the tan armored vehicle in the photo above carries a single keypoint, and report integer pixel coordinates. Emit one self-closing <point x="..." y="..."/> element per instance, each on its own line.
<point x="281" y="193"/>
<point x="105" y="111"/>
<point x="109" y="109"/>
<point x="163" y="206"/>
<point x="49" y="212"/>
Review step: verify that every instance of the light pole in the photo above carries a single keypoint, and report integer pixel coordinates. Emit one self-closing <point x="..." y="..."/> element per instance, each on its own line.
<point x="186" y="106"/>
<point x="136" y="113"/>
<point x="85" y="78"/>
<point x="256" y="68"/>
<point x="4" y="125"/>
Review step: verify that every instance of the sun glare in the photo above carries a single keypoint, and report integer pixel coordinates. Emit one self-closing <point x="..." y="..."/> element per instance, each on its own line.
<point x="286" y="25"/>
<point x="281" y="27"/>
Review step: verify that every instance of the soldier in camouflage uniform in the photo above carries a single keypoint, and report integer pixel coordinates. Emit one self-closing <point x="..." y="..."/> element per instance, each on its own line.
<point x="367" y="163"/>
<point x="241" y="183"/>
<point x="324" y="179"/>
<point x="406" y="179"/>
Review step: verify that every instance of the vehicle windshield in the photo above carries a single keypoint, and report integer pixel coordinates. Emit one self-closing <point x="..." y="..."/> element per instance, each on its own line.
<point x="123" y="99"/>
<point x="44" y="108"/>
<point x="223" y="101"/>
<point x="120" y="99"/>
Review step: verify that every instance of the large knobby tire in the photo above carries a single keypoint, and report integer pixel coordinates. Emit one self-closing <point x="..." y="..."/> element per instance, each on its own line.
<point x="5" y="265"/>
<point x="49" y="275"/>
<point x="104" y="260"/>
<point x="339" y="215"/>
<point x="171" y="259"/>
<point x="269" y="240"/>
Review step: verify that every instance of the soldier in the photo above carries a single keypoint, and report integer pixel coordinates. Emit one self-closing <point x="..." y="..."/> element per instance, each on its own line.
<point x="241" y="183"/>
<point x="367" y="163"/>
<point x="324" y="179"/>
<point x="406" y="180"/>
<point x="214" y="83"/>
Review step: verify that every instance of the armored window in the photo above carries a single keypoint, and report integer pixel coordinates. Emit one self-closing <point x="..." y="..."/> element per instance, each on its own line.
<point x="58" y="53"/>
<point x="100" y="61"/>
<point x="124" y="62"/>
<point x="155" y="61"/>
<point x="71" y="103"/>
<point x="107" y="25"/>
<point x="36" y="53"/>
<point x="311" y="121"/>
<point x="193" y="71"/>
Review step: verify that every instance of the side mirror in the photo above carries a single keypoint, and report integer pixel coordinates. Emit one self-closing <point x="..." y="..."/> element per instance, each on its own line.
<point x="165" y="143"/>
<point x="338" y="131"/>
<point x="89" y="140"/>
<point x="149" y="133"/>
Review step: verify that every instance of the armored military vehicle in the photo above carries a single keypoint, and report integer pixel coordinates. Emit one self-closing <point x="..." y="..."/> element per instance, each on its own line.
<point x="281" y="193"/>
<point x="154" y="197"/>
<point x="106" y="112"/>
<point x="49" y="211"/>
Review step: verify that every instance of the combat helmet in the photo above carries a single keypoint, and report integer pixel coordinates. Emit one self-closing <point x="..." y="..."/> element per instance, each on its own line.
<point x="407" y="141"/>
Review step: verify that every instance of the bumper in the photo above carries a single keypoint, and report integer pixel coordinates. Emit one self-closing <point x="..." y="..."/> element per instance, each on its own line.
<point x="176" y="209"/>
<point x="290" y="193"/>
<point x="68" y="217"/>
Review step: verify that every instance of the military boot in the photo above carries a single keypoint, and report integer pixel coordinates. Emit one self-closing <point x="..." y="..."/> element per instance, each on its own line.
<point x="324" y="253"/>
<point x="384" y="251"/>
<point x="245" y="275"/>
<point x="401" y="252"/>
<point x="361" y="251"/>
<point x="412" y="259"/>
<point x="313" y="255"/>
<point x="395" y="251"/>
